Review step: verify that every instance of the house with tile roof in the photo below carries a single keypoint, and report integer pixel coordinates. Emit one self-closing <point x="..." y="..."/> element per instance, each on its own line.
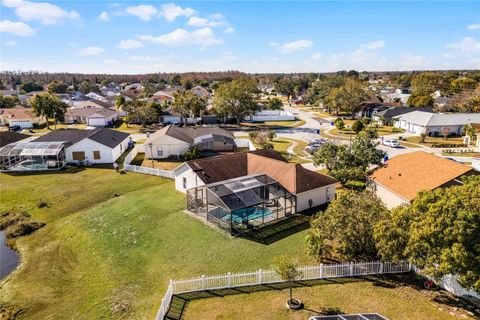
<point x="96" y="146"/>
<point x="95" y="117"/>
<point x="246" y="190"/>
<point x="402" y="177"/>
<point x="174" y="141"/>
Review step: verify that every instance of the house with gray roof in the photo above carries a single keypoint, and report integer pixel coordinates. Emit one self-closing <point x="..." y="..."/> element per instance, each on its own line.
<point x="387" y="115"/>
<point x="174" y="141"/>
<point x="95" y="117"/>
<point x="435" y="124"/>
<point x="94" y="146"/>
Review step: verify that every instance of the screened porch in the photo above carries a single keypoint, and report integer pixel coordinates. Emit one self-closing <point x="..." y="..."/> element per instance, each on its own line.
<point x="32" y="156"/>
<point x="241" y="203"/>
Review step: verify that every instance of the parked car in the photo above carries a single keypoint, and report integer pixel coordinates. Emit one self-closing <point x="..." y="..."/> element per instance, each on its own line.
<point x="14" y="128"/>
<point x="391" y="143"/>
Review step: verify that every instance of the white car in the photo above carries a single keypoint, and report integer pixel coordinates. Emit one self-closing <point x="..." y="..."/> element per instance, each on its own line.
<point x="391" y="143"/>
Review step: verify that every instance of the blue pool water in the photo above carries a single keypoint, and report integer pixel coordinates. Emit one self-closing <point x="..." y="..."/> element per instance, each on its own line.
<point x="251" y="213"/>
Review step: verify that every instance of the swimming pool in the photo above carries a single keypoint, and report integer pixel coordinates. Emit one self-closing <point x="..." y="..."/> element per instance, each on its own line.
<point x="249" y="213"/>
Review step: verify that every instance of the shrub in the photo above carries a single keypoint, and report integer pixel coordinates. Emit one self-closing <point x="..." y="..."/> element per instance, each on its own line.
<point x="41" y="203"/>
<point x="339" y="123"/>
<point x="191" y="154"/>
<point x="271" y="135"/>
<point x="253" y="135"/>
<point x="267" y="145"/>
<point x="18" y="224"/>
<point x="357" y="126"/>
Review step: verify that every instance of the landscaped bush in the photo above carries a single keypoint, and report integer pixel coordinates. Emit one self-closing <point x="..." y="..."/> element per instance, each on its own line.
<point x="355" y="185"/>
<point x="358" y="126"/>
<point x="339" y="123"/>
<point x="448" y="145"/>
<point x="191" y="154"/>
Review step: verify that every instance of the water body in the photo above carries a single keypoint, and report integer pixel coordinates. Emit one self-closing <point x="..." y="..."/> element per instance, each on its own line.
<point x="9" y="259"/>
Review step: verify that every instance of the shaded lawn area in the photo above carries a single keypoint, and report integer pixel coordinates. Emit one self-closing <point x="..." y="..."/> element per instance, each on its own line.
<point x="381" y="131"/>
<point x="281" y="145"/>
<point x="274" y="124"/>
<point x="429" y="141"/>
<point x="461" y="154"/>
<point x="102" y="256"/>
<point x="409" y="145"/>
<point x="389" y="296"/>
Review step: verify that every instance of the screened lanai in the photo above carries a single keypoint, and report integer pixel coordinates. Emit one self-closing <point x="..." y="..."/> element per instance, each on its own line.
<point x="32" y="156"/>
<point x="241" y="203"/>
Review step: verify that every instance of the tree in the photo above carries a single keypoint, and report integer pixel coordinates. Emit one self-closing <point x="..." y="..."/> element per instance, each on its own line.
<point x="120" y="103"/>
<point x="348" y="222"/>
<point x="420" y="101"/>
<point x="287" y="268"/>
<point x="352" y="95"/>
<point x="140" y="110"/>
<point x="47" y="105"/>
<point x="286" y="86"/>
<point x="350" y="163"/>
<point x="30" y="86"/>
<point x="339" y="124"/>
<point x="2" y="85"/>
<point x="358" y="126"/>
<point x="425" y="83"/>
<point x="461" y="84"/>
<point x="86" y="87"/>
<point x="274" y="104"/>
<point x="57" y="87"/>
<point x="176" y="80"/>
<point x="187" y="103"/>
<point x="236" y="98"/>
<point x="8" y="101"/>
<point x="316" y="245"/>
<point x="438" y="232"/>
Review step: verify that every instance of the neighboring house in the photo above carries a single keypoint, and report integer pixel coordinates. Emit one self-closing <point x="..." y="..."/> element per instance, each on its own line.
<point x="270" y="115"/>
<point x="24" y="98"/>
<point x="92" y="103"/>
<point x="23" y="117"/>
<point x="308" y="188"/>
<point x="133" y="86"/>
<point x="201" y="91"/>
<point x="95" y="146"/>
<point x="388" y="114"/>
<point x="436" y="124"/>
<point x="174" y="141"/>
<point x="441" y="101"/>
<point x="7" y="137"/>
<point x="96" y="117"/>
<point x="96" y="96"/>
<point x="161" y="96"/>
<point x="171" y="116"/>
<point x="7" y="93"/>
<point x="402" y="177"/>
<point x="110" y="90"/>
<point x="400" y="94"/>
<point x="476" y="163"/>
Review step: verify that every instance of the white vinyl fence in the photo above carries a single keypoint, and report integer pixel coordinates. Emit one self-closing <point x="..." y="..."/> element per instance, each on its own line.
<point x="235" y="280"/>
<point x="152" y="171"/>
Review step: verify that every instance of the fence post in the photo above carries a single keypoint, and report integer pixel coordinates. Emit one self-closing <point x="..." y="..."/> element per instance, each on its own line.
<point x="321" y="270"/>
<point x="351" y="268"/>
<point x="381" y="268"/>
<point x="409" y="266"/>
<point x="260" y="276"/>
<point x="229" y="275"/>
<point x="204" y="283"/>
<point x="171" y="285"/>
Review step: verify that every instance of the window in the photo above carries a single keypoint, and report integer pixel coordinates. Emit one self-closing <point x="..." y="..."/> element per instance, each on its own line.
<point x="78" y="155"/>
<point x="160" y="151"/>
<point x="184" y="183"/>
<point x="96" y="155"/>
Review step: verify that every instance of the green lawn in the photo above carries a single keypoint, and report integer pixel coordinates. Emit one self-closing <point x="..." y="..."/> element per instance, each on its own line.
<point x="429" y="141"/>
<point x="274" y="124"/>
<point x="393" y="299"/>
<point x="111" y="243"/>
<point x="381" y="131"/>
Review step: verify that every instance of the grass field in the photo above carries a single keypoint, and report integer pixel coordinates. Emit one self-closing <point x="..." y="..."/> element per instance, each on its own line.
<point x="111" y="243"/>
<point x="395" y="300"/>
<point x="429" y="141"/>
<point x="274" y="124"/>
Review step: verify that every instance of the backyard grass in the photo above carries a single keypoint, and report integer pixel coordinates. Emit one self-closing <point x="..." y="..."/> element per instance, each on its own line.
<point x="396" y="301"/>
<point x="274" y="124"/>
<point x="409" y="145"/>
<point x="461" y="154"/>
<point x="111" y="243"/>
<point x="381" y="131"/>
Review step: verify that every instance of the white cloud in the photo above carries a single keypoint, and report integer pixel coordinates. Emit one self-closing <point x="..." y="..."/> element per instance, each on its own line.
<point x="44" y="12"/>
<point x="90" y="51"/>
<point x="144" y="12"/>
<point x="466" y="45"/>
<point x="104" y="16"/>
<point x="410" y="62"/>
<point x="181" y="37"/>
<point x="111" y="61"/>
<point x="229" y="30"/>
<point x="10" y="43"/>
<point x="474" y="26"/>
<point x="17" y="28"/>
<point x="203" y="22"/>
<point x="171" y="11"/>
<point x="374" y="45"/>
<point x="130" y="44"/>
<point x="294" y="46"/>
<point x="316" y="56"/>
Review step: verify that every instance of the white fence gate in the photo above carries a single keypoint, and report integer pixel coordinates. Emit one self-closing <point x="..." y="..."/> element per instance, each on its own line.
<point x="235" y="280"/>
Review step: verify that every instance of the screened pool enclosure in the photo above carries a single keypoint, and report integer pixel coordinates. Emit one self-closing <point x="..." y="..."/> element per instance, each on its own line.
<point x="32" y="156"/>
<point x="241" y="203"/>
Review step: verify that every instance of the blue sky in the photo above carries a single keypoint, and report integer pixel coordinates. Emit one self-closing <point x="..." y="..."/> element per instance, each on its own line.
<point x="250" y="36"/>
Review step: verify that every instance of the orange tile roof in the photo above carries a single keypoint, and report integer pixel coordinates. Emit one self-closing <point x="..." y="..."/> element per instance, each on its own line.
<point x="407" y="174"/>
